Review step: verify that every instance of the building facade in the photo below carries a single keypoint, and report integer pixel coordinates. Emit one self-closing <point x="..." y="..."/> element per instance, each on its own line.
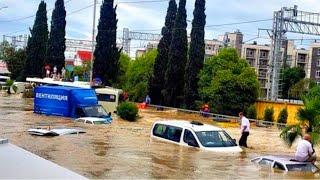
<point x="232" y="40"/>
<point x="315" y="62"/>
<point x="258" y="57"/>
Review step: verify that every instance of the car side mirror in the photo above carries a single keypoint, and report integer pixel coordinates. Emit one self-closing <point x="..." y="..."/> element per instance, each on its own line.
<point x="192" y="143"/>
<point x="234" y="141"/>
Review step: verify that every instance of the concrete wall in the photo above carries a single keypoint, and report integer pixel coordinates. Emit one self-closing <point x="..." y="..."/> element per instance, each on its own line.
<point x="277" y="107"/>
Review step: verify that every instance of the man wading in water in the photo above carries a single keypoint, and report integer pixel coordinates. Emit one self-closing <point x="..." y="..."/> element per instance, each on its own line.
<point x="245" y="127"/>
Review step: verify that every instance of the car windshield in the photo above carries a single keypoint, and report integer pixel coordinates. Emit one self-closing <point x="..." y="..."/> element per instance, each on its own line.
<point x="95" y="111"/>
<point x="100" y="122"/>
<point x="302" y="167"/>
<point x="215" y="139"/>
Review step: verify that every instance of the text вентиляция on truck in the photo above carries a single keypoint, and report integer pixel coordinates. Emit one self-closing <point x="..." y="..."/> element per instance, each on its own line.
<point x="68" y="102"/>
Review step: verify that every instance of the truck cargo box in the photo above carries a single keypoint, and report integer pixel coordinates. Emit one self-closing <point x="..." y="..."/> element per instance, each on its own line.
<point x="62" y="100"/>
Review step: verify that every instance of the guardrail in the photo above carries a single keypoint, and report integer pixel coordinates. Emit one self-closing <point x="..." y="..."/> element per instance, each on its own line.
<point x="221" y="117"/>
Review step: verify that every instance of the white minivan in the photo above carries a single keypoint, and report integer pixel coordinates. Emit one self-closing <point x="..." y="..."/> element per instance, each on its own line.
<point x="194" y="134"/>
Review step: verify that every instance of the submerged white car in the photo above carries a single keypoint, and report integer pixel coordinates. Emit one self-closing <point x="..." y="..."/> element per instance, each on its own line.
<point x="92" y="120"/>
<point x="285" y="163"/>
<point x="194" y="134"/>
<point x="54" y="132"/>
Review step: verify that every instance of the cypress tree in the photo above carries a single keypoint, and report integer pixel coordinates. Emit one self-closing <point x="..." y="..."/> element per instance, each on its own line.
<point x="106" y="54"/>
<point x="196" y="54"/>
<point x="174" y="79"/>
<point x="37" y="44"/>
<point x="56" y="43"/>
<point x="156" y="84"/>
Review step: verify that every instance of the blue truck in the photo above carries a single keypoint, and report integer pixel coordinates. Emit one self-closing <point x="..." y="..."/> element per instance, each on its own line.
<point x="68" y="102"/>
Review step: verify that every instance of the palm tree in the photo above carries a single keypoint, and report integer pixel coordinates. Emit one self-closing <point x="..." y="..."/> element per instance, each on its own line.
<point x="11" y="86"/>
<point x="309" y="119"/>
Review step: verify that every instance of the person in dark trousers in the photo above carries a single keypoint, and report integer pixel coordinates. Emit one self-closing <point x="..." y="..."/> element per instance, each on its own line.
<point x="245" y="128"/>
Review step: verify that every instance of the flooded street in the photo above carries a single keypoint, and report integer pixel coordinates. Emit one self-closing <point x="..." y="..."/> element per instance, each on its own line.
<point x="125" y="150"/>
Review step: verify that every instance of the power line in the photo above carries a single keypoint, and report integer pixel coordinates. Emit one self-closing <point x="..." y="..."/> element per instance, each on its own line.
<point x="73" y="12"/>
<point x="30" y="16"/>
<point x="214" y="25"/>
<point x="86" y="7"/>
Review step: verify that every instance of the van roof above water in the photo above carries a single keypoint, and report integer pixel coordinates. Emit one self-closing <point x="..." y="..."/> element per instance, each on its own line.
<point x="188" y="124"/>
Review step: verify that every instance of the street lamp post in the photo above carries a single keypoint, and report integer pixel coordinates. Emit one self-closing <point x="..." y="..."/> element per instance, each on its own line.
<point x="93" y="37"/>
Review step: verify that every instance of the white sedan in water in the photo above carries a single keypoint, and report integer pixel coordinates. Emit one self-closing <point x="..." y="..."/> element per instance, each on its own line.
<point x="285" y="163"/>
<point x="92" y="120"/>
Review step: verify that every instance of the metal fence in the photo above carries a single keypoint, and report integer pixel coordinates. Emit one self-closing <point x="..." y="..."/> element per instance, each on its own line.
<point x="221" y="117"/>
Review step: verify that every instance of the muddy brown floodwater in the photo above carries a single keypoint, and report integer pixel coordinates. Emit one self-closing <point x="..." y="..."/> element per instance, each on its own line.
<point x="125" y="150"/>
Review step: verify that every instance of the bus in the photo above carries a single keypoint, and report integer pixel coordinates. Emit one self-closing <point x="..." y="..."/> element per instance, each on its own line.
<point x="109" y="98"/>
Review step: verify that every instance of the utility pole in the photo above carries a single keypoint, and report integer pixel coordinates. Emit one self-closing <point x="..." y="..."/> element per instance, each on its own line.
<point x="93" y="37"/>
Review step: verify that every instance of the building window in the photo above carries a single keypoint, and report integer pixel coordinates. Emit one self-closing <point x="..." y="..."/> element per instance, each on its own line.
<point x="250" y="52"/>
<point x="263" y="54"/>
<point x="318" y="83"/>
<point x="317" y="74"/>
<point x="318" y="63"/>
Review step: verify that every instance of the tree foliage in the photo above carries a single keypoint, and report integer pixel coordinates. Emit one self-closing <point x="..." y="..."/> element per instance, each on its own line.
<point x="37" y="44"/>
<point x="251" y="112"/>
<point x="106" y="54"/>
<point x="268" y="114"/>
<point x="298" y="90"/>
<point x="56" y="42"/>
<point x="309" y="119"/>
<point x="128" y="111"/>
<point x="138" y="74"/>
<point x="82" y="71"/>
<point x="124" y="63"/>
<point x="11" y="87"/>
<point x="196" y="55"/>
<point x="283" y="116"/>
<point x="156" y="84"/>
<point x="15" y="60"/>
<point x="228" y="83"/>
<point x="4" y="45"/>
<point x="174" y="78"/>
<point x="291" y="76"/>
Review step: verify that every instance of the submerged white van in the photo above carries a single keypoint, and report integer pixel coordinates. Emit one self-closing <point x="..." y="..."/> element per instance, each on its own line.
<point x="194" y="134"/>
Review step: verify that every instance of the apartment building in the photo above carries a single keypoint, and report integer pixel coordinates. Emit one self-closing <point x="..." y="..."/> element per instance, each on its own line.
<point x="258" y="57"/>
<point x="212" y="47"/>
<point x="314" y="66"/>
<point x="233" y="40"/>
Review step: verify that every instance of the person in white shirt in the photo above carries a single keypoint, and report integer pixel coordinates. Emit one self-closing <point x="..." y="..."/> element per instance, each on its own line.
<point x="305" y="152"/>
<point x="245" y="128"/>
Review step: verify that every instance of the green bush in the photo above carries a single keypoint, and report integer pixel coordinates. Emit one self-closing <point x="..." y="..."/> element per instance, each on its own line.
<point x="283" y="116"/>
<point x="252" y="112"/>
<point x="268" y="114"/>
<point x="28" y="93"/>
<point x="128" y="111"/>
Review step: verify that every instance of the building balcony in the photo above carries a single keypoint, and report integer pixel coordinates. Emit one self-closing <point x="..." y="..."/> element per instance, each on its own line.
<point x="264" y="57"/>
<point x="302" y="61"/>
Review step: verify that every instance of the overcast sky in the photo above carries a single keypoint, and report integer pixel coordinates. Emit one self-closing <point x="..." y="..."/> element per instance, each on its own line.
<point x="150" y="16"/>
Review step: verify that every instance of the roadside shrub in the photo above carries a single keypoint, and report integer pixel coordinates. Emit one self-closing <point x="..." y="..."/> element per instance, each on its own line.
<point x="28" y="93"/>
<point x="268" y="114"/>
<point x="252" y="112"/>
<point x="128" y="111"/>
<point x="283" y="116"/>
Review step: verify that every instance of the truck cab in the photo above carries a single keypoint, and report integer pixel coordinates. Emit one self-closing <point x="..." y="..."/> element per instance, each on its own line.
<point x="96" y="111"/>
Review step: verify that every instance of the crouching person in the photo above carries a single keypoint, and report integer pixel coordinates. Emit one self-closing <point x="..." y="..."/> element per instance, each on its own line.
<point x="305" y="152"/>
